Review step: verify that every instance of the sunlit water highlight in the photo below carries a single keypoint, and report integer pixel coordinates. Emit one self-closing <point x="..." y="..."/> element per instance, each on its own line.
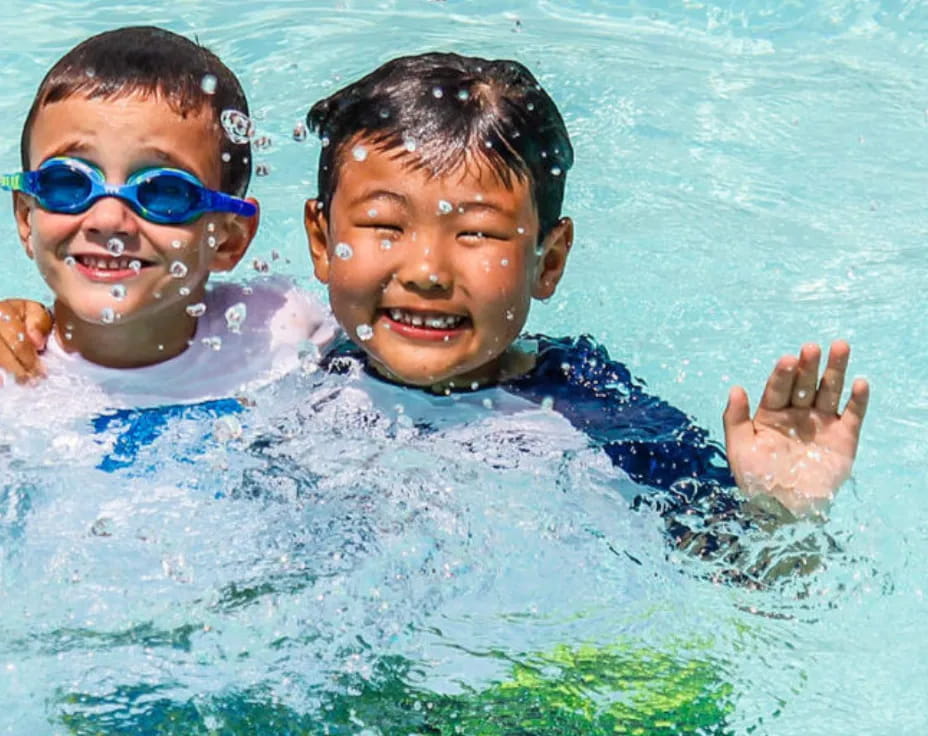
<point x="746" y="180"/>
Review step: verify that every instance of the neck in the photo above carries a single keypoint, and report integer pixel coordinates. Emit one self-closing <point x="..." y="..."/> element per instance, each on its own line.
<point x="133" y="343"/>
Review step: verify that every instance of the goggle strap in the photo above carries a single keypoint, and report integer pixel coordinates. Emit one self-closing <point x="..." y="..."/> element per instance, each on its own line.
<point x="13" y="182"/>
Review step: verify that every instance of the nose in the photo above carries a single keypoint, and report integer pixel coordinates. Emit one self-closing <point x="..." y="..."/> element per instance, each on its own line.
<point x="110" y="216"/>
<point x="427" y="271"/>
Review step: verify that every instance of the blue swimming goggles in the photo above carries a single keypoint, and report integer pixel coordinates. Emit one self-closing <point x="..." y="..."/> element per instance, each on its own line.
<point x="163" y="196"/>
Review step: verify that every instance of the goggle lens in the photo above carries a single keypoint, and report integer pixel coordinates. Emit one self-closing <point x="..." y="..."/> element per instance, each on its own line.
<point x="64" y="188"/>
<point x="168" y="195"/>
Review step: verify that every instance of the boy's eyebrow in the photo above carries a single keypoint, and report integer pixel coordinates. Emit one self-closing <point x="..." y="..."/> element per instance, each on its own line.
<point x="379" y="194"/>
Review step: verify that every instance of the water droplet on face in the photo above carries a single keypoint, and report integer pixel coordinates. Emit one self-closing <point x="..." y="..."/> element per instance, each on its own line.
<point x="235" y="316"/>
<point x="178" y="270"/>
<point x="359" y="153"/>
<point x="510" y="315"/>
<point x="344" y="251"/>
<point x="433" y="277"/>
<point x="119" y="292"/>
<point x="70" y="261"/>
<point x="160" y="347"/>
<point x="299" y="132"/>
<point x="177" y="244"/>
<point x="530" y="106"/>
<point x="372" y="212"/>
<point x="115" y="246"/>
<point x="196" y="310"/>
<point x="211" y="241"/>
<point x="237" y="125"/>
<point x="157" y="295"/>
<point x="386" y="244"/>
<point x="437" y="93"/>
<point x="211" y="227"/>
<point x="504" y="262"/>
<point x="445" y="207"/>
<point x="183" y="291"/>
<point x="107" y="316"/>
<point x="364" y="332"/>
<point x="410" y="144"/>
<point x="520" y="230"/>
<point x="208" y="84"/>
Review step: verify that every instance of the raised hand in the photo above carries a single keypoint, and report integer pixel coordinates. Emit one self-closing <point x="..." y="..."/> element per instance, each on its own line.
<point x="24" y="328"/>
<point x="797" y="448"/>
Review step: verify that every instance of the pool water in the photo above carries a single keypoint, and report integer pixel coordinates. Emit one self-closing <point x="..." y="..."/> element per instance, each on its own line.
<point x="749" y="177"/>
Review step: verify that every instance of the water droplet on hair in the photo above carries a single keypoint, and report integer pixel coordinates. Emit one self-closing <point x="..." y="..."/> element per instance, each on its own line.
<point x="118" y="292"/>
<point x="463" y="94"/>
<point x="325" y="141"/>
<point x="178" y="270"/>
<point x="107" y="316"/>
<point x="445" y="207"/>
<point x="410" y="144"/>
<point x="365" y="332"/>
<point x="208" y="84"/>
<point x="386" y="244"/>
<point x="359" y="153"/>
<point x="235" y="316"/>
<point x="237" y="125"/>
<point x="530" y="106"/>
<point x="184" y="291"/>
<point x="299" y="132"/>
<point x="437" y="92"/>
<point x="70" y="261"/>
<point x="115" y="246"/>
<point x="488" y="144"/>
<point x="196" y="310"/>
<point x="384" y="114"/>
<point x="556" y="171"/>
<point x="260" y="266"/>
<point x="226" y="157"/>
<point x="262" y="169"/>
<point x="344" y="251"/>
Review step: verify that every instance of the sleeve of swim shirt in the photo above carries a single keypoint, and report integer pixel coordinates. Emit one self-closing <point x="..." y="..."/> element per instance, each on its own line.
<point x="657" y="444"/>
<point x="302" y="319"/>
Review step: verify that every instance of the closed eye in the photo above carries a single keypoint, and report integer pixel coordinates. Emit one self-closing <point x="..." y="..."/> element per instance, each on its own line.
<point x="478" y="235"/>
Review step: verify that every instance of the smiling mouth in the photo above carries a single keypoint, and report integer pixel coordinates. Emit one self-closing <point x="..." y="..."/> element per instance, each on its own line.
<point x="427" y="320"/>
<point x="111" y="263"/>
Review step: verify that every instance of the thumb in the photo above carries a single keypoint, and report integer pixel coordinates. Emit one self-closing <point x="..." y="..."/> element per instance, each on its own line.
<point x="38" y="322"/>
<point x="739" y="430"/>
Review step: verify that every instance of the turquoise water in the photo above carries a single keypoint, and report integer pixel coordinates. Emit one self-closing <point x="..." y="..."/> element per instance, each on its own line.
<point x="747" y="178"/>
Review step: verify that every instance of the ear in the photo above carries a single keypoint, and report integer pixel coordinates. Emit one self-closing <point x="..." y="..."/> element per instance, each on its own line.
<point x="22" y="208"/>
<point x="317" y="233"/>
<point x="553" y="258"/>
<point x="239" y="232"/>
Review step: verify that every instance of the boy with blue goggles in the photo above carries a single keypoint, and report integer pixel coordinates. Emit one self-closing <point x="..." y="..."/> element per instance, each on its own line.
<point x="164" y="196"/>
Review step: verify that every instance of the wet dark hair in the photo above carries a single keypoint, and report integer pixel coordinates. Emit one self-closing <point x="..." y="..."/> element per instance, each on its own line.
<point x="150" y="61"/>
<point x="441" y="109"/>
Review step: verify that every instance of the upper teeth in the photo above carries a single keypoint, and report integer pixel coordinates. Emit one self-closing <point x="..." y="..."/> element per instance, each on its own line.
<point x="106" y="262"/>
<point x="417" y="319"/>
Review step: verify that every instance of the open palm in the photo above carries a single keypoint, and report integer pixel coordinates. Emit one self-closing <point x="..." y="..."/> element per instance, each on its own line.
<point x="797" y="448"/>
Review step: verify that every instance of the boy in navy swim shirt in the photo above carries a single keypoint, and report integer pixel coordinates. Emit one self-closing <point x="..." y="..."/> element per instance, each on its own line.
<point x="438" y="220"/>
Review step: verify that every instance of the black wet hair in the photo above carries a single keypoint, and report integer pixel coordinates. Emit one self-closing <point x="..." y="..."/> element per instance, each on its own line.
<point x="439" y="110"/>
<point x="151" y="61"/>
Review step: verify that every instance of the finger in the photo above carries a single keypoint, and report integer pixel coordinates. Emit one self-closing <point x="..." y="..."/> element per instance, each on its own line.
<point x="856" y="407"/>
<point x="10" y="362"/>
<point x="38" y="323"/>
<point x="779" y="389"/>
<point x="806" y="376"/>
<point x="829" y="390"/>
<point x="739" y="430"/>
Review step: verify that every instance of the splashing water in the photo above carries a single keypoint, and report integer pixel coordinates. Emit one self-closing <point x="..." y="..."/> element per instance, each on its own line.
<point x="235" y="316"/>
<point x="178" y="269"/>
<point x="118" y="292"/>
<point x="107" y="316"/>
<point x="359" y="153"/>
<point x="343" y="251"/>
<point x="196" y="310"/>
<point x="364" y="332"/>
<point x="208" y="84"/>
<point x="115" y="246"/>
<point x="237" y="125"/>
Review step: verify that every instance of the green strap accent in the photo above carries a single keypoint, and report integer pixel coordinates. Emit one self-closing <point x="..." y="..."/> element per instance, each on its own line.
<point x="13" y="182"/>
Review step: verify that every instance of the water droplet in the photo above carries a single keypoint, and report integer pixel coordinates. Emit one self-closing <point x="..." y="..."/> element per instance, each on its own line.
<point x="547" y="403"/>
<point x="262" y="169"/>
<point x="802" y="393"/>
<point x="433" y="277"/>
<point x="119" y="292"/>
<point x="196" y="310"/>
<point x="530" y="106"/>
<point x="211" y="227"/>
<point x="410" y="144"/>
<point x="157" y="295"/>
<point x="208" y="84"/>
<point x="211" y="241"/>
<point x="365" y="332"/>
<point x="344" y="251"/>
<point x="359" y="153"/>
<point x="372" y="212"/>
<point x="260" y="266"/>
<point x="299" y="132"/>
<point x="213" y="343"/>
<point x="237" y="125"/>
<point x="177" y="243"/>
<point x="68" y="336"/>
<point x="107" y="316"/>
<point x="504" y="262"/>
<point x="235" y="316"/>
<point x="474" y="386"/>
<point x="445" y="207"/>
<point x="262" y="143"/>
<point x="386" y="244"/>
<point x="178" y="270"/>
<point x="488" y="403"/>
<point x="70" y="261"/>
<point x="226" y="157"/>
<point x="555" y="171"/>
<point x="325" y="141"/>
<point x="520" y="230"/>
<point x="115" y="246"/>
<point x="437" y="93"/>
<point x="160" y="347"/>
<point x="792" y="432"/>
<point x="463" y="94"/>
<point x="510" y="315"/>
